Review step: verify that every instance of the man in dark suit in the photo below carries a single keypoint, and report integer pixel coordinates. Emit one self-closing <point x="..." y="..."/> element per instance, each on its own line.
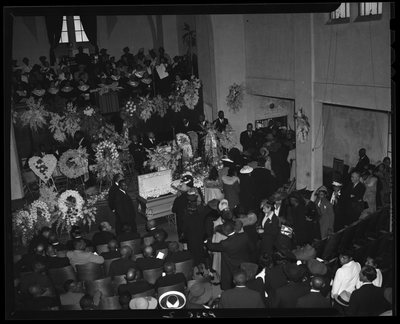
<point x="221" y="122"/>
<point x="152" y="229"/>
<point x="41" y="237"/>
<point x="201" y="130"/>
<point x="53" y="240"/>
<point x="185" y="126"/>
<point x="265" y="183"/>
<point x="287" y="295"/>
<point x="171" y="277"/>
<point x="363" y="161"/>
<point x="25" y="264"/>
<point x="123" y="264"/>
<point x="249" y="138"/>
<point x="127" y="234"/>
<point x="53" y="261"/>
<point x="149" y="261"/>
<point x="240" y="296"/>
<point x="112" y="191"/>
<point x="82" y="58"/>
<point x="134" y="284"/>
<point x="314" y="298"/>
<point x="124" y="208"/>
<point x="113" y="251"/>
<point x="236" y="248"/>
<point x="159" y="241"/>
<point x="104" y="235"/>
<point x="175" y="255"/>
<point x="368" y="300"/>
<point x="353" y="196"/>
<point x="149" y="141"/>
<point x="136" y="149"/>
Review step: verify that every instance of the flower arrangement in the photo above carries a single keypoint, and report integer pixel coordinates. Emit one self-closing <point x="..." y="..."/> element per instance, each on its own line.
<point x="35" y="116"/>
<point x="65" y="124"/>
<point x="147" y="108"/>
<point x="212" y="146"/>
<point x="227" y="138"/>
<point x="74" y="163"/>
<point x="183" y="142"/>
<point x="48" y="195"/>
<point x="235" y="97"/>
<point x="196" y="168"/>
<point x="23" y="222"/>
<point x="107" y="161"/>
<point x="71" y="210"/>
<point x="187" y="93"/>
<point x="90" y="120"/>
<point x="160" y="105"/>
<point x="129" y="113"/>
<point x="303" y="126"/>
<point x="163" y="157"/>
<point x="105" y="88"/>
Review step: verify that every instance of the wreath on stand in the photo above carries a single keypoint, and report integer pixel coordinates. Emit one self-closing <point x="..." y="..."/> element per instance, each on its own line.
<point x="234" y="100"/>
<point x="74" y="163"/>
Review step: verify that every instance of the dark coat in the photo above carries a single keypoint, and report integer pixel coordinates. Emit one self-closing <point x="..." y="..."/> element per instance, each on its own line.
<point x="124" y="211"/>
<point x="248" y="142"/>
<point x="37" y="240"/>
<point x="127" y="236"/>
<point x="368" y="300"/>
<point x="352" y="195"/>
<point x="274" y="278"/>
<point x="149" y="263"/>
<point x="235" y="249"/>
<point x="182" y="128"/>
<point x="178" y="256"/>
<point x="268" y="237"/>
<point x="220" y="126"/>
<point x="361" y="164"/>
<point x="57" y="262"/>
<point x="265" y="184"/>
<point x="26" y="262"/>
<point x="240" y="297"/>
<point x="102" y="237"/>
<point x="111" y="255"/>
<point x="121" y="266"/>
<point x="136" y="287"/>
<point x="194" y="228"/>
<point x="247" y="190"/>
<point x="170" y="280"/>
<point x="287" y="295"/>
<point x="299" y="222"/>
<point x="138" y="152"/>
<point x="148" y="144"/>
<point x="313" y="300"/>
<point x="178" y="206"/>
<point x="111" y="196"/>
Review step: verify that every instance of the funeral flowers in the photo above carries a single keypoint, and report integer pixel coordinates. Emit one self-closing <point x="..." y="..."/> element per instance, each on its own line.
<point x="74" y="163"/>
<point x="235" y="97"/>
<point x="35" y="116"/>
<point x="183" y="142"/>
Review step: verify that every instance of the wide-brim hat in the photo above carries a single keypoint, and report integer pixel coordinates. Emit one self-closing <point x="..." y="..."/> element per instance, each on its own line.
<point x="322" y="188"/>
<point x="280" y="195"/>
<point x="226" y="159"/>
<point x="213" y="204"/>
<point x="337" y="184"/>
<point x="344" y="298"/>
<point x="293" y="271"/>
<point x="200" y="293"/>
<point x="316" y="267"/>
<point x="285" y="251"/>
<point x="267" y="202"/>
<point x="223" y="204"/>
<point x="246" y="169"/>
<point x="147" y="302"/>
<point x="172" y="300"/>
<point x="187" y="178"/>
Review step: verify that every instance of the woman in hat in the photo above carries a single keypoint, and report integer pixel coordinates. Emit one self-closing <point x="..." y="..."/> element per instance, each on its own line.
<point x="327" y="216"/>
<point x="231" y="187"/>
<point x="268" y="227"/>
<point x="370" y="182"/>
<point x="212" y="186"/>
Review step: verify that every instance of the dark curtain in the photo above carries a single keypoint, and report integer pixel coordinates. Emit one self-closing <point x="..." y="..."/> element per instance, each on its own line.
<point x="54" y="27"/>
<point x="89" y="23"/>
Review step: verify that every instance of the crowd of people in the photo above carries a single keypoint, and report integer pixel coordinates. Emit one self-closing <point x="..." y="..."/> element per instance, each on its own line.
<point x="246" y="232"/>
<point x="141" y="74"/>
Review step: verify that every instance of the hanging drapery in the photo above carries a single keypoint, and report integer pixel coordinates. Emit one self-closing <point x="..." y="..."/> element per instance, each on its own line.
<point x="89" y="23"/>
<point x="54" y="28"/>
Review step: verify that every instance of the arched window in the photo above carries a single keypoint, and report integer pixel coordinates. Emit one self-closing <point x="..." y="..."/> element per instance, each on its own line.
<point x="72" y="30"/>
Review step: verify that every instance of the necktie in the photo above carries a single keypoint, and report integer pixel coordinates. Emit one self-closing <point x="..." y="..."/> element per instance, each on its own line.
<point x="250" y="134"/>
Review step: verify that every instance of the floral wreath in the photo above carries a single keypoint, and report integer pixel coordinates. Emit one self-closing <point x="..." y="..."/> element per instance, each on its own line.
<point x="184" y="143"/>
<point x="41" y="206"/>
<point x="235" y="97"/>
<point x="74" y="163"/>
<point x="101" y="150"/>
<point x="70" y="214"/>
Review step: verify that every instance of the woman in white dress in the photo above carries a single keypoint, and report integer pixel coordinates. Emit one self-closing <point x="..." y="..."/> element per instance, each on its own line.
<point x="370" y="182"/>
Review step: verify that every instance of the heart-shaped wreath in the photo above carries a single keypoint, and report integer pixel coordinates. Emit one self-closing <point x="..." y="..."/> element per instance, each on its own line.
<point x="43" y="167"/>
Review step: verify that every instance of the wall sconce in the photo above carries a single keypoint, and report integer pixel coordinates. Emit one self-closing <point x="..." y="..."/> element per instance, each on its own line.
<point x="272" y="106"/>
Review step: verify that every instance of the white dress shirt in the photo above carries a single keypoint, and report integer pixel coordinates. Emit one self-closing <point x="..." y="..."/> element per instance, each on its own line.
<point x="346" y="278"/>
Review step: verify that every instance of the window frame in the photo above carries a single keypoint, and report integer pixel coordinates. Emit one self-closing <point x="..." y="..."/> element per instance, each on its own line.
<point x="341" y="20"/>
<point x="72" y="31"/>
<point x="369" y="17"/>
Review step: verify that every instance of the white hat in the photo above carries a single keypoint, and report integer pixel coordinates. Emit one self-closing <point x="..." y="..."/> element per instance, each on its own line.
<point x="226" y="159"/>
<point x="337" y="184"/>
<point x="172" y="300"/>
<point x="223" y="204"/>
<point x="246" y="169"/>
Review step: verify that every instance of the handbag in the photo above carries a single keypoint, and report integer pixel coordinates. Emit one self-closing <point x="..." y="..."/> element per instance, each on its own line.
<point x="286" y="230"/>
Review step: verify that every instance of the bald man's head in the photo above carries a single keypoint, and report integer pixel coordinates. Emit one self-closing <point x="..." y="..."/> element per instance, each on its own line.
<point x="173" y="246"/>
<point x="317" y="283"/>
<point x="148" y="251"/>
<point x="240" y="277"/>
<point x="159" y="236"/>
<point x="150" y="224"/>
<point x="169" y="267"/>
<point x="131" y="274"/>
<point x="126" y="252"/>
<point x="40" y="249"/>
<point x="112" y="244"/>
<point x="36" y="290"/>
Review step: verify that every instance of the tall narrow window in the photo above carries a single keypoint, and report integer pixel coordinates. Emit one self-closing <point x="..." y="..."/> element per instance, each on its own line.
<point x="80" y="34"/>
<point x="342" y="12"/>
<point x="370" y="8"/>
<point x="64" y="32"/>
